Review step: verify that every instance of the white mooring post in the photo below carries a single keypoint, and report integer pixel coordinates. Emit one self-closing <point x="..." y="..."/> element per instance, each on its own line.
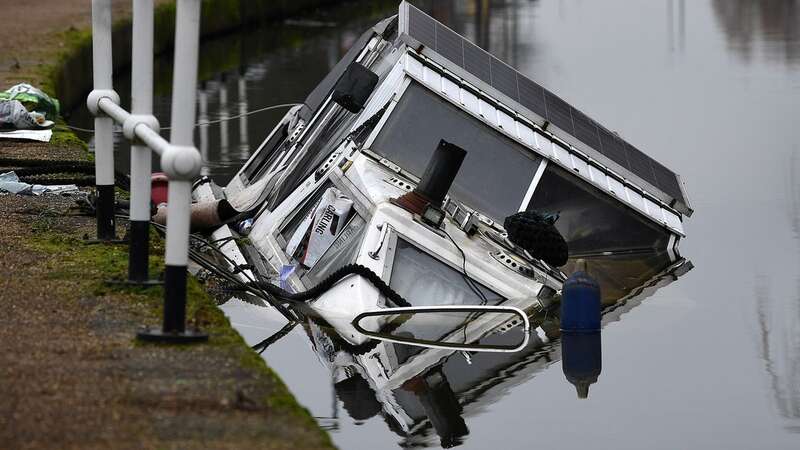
<point x="103" y="125"/>
<point x="180" y="160"/>
<point x="141" y="167"/>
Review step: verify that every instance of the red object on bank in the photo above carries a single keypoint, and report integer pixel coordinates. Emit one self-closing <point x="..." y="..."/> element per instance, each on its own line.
<point x="158" y="188"/>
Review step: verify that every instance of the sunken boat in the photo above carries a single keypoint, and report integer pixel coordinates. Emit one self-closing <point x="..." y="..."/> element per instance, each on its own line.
<point x="439" y="172"/>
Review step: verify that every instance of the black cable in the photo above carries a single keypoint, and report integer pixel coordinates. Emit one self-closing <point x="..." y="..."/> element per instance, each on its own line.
<point x="261" y="346"/>
<point x="464" y="274"/>
<point x="222" y="273"/>
<point x="332" y="279"/>
<point x="260" y="293"/>
<point x="223" y="240"/>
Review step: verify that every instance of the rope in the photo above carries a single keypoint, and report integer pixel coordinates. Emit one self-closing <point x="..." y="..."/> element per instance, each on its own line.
<point x="261" y="346"/>
<point x="62" y="172"/>
<point x="327" y="283"/>
<point x="205" y="122"/>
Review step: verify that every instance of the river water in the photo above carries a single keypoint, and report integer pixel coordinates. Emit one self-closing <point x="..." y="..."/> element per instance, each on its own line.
<point x="710" y="88"/>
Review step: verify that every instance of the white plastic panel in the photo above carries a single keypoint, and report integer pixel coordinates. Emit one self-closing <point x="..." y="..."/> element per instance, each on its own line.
<point x="598" y="177"/>
<point x="487" y="111"/>
<point x="580" y="166"/>
<point x="616" y="187"/>
<point x="542" y="143"/>
<point x="526" y="135"/>
<point x="506" y="122"/>
<point x="562" y="155"/>
<point x="470" y="101"/>
<point x="634" y="198"/>
<point x="413" y="66"/>
<point x="451" y="89"/>
<point x="672" y="219"/>
<point x="653" y="210"/>
<point x="432" y="78"/>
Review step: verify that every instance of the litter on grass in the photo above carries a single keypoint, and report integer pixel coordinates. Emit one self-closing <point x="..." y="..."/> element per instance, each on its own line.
<point x="9" y="182"/>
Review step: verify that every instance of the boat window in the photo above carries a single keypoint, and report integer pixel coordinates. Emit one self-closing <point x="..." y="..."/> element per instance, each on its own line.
<point x="423" y="280"/>
<point x="495" y="174"/>
<point x="590" y="221"/>
<point x="315" y="152"/>
<point x="266" y="156"/>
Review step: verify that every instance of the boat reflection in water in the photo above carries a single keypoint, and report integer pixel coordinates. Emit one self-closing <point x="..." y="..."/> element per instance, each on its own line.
<point x="581" y="360"/>
<point x="427" y="395"/>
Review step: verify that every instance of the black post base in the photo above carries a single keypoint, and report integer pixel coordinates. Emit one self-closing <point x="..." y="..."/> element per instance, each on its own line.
<point x="106" y="221"/>
<point x="174" y="327"/>
<point x="177" y="337"/>
<point x="139" y="251"/>
<point x="174" y="298"/>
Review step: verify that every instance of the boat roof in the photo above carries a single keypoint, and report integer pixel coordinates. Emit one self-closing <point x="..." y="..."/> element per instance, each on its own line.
<point x="431" y="39"/>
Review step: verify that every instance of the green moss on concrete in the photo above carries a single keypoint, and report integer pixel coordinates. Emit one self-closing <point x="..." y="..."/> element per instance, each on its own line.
<point x="91" y="265"/>
<point x="64" y="137"/>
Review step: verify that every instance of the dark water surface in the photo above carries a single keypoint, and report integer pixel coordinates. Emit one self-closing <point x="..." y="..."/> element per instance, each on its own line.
<point x="710" y="88"/>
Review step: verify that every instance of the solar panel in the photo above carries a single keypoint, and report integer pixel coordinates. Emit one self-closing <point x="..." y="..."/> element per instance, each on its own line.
<point x="474" y="60"/>
<point x="667" y="179"/>
<point x="613" y="147"/>
<point x="478" y="63"/>
<point x="586" y="129"/>
<point x="640" y="164"/>
<point x="531" y="96"/>
<point x="559" y="112"/>
<point x="504" y="79"/>
<point x="422" y="27"/>
<point x="450" y="45"/>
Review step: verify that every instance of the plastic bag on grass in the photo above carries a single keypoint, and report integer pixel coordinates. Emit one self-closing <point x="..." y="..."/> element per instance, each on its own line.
<point x="33" y="99"/>
<point x="14" y="116"/>
<point x="9" y="182"/>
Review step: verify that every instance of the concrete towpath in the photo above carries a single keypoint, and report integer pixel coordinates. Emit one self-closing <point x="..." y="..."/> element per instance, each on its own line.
<point x="71" y="373"/>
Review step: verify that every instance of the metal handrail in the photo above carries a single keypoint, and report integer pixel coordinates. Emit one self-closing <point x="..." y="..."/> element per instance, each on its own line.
<point x="180" y="160"/>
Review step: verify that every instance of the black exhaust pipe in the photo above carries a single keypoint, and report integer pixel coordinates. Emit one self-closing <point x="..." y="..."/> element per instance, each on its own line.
<point x="441" y="172"/>
<point x="437" y="179"/>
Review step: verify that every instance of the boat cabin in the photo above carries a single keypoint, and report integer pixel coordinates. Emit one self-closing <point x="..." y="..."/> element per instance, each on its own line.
<point x="320" y="188"/>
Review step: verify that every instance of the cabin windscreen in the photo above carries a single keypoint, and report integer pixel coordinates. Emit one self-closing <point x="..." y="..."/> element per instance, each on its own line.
<point x="590" y="221"/>
<point x="425" y="281"/>
<point x="496" y="172"/>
